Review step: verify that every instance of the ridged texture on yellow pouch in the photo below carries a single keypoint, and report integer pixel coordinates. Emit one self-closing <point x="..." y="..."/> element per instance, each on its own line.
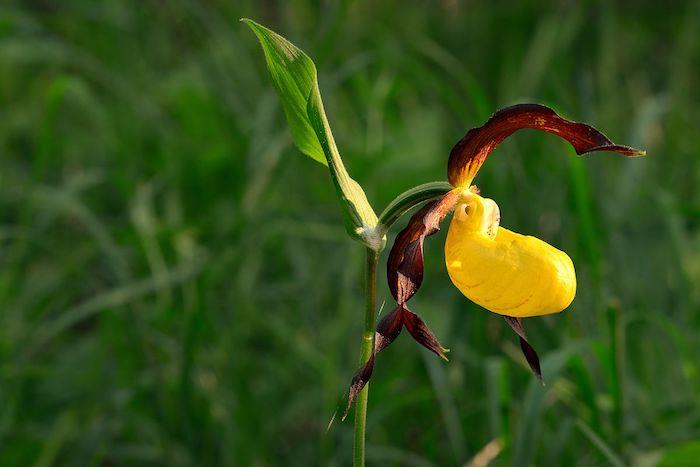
<point x="503" y="271"/>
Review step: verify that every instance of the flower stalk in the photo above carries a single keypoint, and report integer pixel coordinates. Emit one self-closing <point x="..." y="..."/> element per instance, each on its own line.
<point x="366" y="347"/>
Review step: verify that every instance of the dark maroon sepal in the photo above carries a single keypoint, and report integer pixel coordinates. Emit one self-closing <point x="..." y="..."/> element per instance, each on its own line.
<point x="388" y="329"/>
<point x="470" y="152"/>
<point x="405" y="276"/>
<point x="405" y="264"/>
<point x="530" y="355"/>
<point x="358" y="382"/>
<point x="422" y="334"/>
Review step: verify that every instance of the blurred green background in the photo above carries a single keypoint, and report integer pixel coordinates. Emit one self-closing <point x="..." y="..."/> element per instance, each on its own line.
<point x="176" y="287"/>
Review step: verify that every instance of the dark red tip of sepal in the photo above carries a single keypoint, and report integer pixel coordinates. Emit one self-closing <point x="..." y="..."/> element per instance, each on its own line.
<point x="422" y="334"/>
<point x="528" y="351"/>
<point x="358" y="382"/>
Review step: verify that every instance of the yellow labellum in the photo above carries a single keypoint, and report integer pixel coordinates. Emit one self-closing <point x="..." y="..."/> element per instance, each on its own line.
<point x="503" y="271"/>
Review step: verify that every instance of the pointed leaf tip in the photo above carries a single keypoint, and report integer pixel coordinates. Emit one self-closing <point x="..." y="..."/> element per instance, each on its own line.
<point x="294" y="77"/>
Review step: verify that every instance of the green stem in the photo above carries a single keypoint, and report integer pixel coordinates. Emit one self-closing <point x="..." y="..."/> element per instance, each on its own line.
<point x="366" y="347"/>
<point x="399" y="206"/>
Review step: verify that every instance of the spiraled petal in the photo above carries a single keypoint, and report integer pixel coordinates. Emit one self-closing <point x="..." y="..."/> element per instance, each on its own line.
<point x="405" y="263"/>
<point x="405" y="275"/>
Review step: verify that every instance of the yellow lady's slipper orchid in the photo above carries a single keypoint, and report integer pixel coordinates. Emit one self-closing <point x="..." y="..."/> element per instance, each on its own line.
<point x="503" y="271"/>
<point x="507" y="273"/>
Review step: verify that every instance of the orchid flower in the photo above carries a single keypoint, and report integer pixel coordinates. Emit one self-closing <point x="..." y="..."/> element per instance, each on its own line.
<point x="510" y="274"/>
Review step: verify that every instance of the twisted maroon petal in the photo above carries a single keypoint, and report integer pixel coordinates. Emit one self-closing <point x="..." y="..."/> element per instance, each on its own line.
<point x="405" y="264"/>
<point x="405" y="275"/>
<point x="387" y="330"/>
<point x="470" y="152"/>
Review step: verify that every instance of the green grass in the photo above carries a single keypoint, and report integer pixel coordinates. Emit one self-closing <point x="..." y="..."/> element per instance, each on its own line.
<point x="176" y="287"/>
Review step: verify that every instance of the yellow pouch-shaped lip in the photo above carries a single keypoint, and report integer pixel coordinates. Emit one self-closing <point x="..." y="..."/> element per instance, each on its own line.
<point x="503" y="271"/>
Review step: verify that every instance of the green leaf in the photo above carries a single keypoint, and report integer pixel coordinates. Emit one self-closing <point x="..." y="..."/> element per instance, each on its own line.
<point x="294" y="76"/>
